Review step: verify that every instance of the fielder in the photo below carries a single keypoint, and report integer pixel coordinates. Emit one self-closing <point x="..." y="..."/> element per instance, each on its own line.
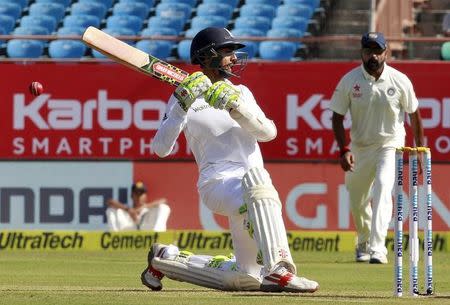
<point x="142" y="215"/>
<point x="377" y="97"/>
<point x="222" y="124"/>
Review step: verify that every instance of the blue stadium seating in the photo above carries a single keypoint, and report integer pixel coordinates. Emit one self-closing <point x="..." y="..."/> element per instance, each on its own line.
<point x="251" y="46"/>
<point x="89" y="8"/>
<point x="192" y="3"/>
<point x="20" y="48"/>
<point x="174" y="10"/>
<point x="121" y="32"/>
<point x="192" y="32"/>
<point x="161" y="32"/>
<point x="201" y="22"/>
<point x="255" y="22"/>
<point x="137" y="9"/>
<point x="11" y="9"/>
<point x="299" y="10"/>
<point x="106" y="3"/>
<point x="34" y="30"/>
<point x="21" y="3"/>
<point x="130" y="22"/>
<point x="81" y="21"/>
<point x="286" y="33"/>
<point x="184" y="50"/>
<point x="232" y="3"/>
<point x="312" y="3"/>
<point x="39" y="20"/>
<point x="277" y="50"/>
<point x="166" y="22"/>
<point x="7" y="23"/>
<point x="150" y="31"/>
<point x="51" y="9"/>
<point x="264" y="10"/>
<point x="66" y="49"/>
<point x="71" y="30"/>
<point x="247" y="32"/>
<point x="273" y="3"/>
<point x="149" y="3"/>
<point x="215" y="9"/>
<point x="251" y="49"/>
<point x="65" y="3"/>
<point x="290" y="22"/>
<point x="260" y="18"/>
<point x="156" y="48"/>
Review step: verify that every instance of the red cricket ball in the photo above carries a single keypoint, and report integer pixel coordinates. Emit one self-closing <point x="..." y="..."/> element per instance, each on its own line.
<point x="36" y="88"/>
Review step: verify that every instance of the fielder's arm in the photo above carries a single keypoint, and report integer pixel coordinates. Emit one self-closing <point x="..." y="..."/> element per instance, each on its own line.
<point x="346" y="159"/>
<point x="417" y="129"/>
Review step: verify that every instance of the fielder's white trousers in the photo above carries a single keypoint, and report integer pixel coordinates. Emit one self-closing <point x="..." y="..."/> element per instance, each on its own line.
<point x="224" y="196"/>
<point x="153" y="218"/>
<point x="370" y="188"/>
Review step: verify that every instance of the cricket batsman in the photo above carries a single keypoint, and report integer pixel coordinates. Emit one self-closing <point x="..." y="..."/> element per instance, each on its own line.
<point x="223" y="124"/>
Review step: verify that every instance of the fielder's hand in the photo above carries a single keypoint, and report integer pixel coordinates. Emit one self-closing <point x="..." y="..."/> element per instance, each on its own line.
<point x="347" y="161"/>
<point x="222" y="95"/>
<point x="190" y="88"/>
<point x="133" y="214"/>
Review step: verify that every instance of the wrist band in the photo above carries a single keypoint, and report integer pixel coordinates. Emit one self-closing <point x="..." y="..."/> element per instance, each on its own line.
<point x="345" y="150"/>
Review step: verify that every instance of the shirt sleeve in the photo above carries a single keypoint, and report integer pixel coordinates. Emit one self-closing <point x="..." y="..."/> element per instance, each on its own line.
<point x="255" y="122"/>
<point x="340" y="101"/>
<point x="408" y="100"/>
<point x="172" y="125"/>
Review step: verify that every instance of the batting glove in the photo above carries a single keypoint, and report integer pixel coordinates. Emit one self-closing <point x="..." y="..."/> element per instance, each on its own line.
<point x="190" y="88"/>
<point x="222" y="95"/>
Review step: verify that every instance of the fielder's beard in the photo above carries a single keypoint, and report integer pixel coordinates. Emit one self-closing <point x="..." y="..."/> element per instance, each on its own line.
<point x="373" y="65"/>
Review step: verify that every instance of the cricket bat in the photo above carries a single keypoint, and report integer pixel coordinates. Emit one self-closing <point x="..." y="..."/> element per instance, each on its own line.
<point x="132" y="57"/>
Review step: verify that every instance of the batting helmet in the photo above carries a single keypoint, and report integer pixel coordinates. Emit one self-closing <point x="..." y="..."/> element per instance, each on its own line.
<point x="209" y="39"/>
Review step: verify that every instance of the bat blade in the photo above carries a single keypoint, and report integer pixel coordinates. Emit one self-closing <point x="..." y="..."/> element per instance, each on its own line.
<point x="132" y="57"/>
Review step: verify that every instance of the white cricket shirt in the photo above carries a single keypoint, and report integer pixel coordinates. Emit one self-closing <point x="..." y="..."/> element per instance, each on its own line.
<point x="377" y="107"/>
<point x="220" y="146"/>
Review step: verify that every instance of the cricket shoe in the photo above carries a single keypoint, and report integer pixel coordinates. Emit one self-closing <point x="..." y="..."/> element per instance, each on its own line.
<point x="378" y="258"/>
<point x="362" y="253"/>
<point x="282" y="280"/>
<point x="151" y="277"/>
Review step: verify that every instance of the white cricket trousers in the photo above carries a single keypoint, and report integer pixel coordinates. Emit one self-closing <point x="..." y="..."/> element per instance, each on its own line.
<point x="224" y="196"/>
<point x="370" y="188"/>
<point x="153" y="218"/>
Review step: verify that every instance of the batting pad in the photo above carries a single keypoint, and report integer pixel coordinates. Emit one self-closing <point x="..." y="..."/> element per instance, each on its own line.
<point x="264" y="211"/>
<point x="199" y="273"/>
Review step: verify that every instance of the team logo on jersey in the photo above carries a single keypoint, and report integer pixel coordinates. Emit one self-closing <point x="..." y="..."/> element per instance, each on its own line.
<point x="200" y="108"/>
<point x="356" y="91"/>
<point x="283" y="253"/>
<point x="391" y="91"/>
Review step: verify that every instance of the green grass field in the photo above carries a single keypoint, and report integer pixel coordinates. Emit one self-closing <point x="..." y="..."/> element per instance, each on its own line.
<point x="113" y="278"/>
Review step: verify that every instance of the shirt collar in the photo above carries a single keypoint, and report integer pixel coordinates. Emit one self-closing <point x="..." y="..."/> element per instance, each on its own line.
<point x="367" y="76"/>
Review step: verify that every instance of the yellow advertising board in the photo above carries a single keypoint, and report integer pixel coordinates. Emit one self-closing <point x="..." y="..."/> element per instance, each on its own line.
<point x="196" y="240"/>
